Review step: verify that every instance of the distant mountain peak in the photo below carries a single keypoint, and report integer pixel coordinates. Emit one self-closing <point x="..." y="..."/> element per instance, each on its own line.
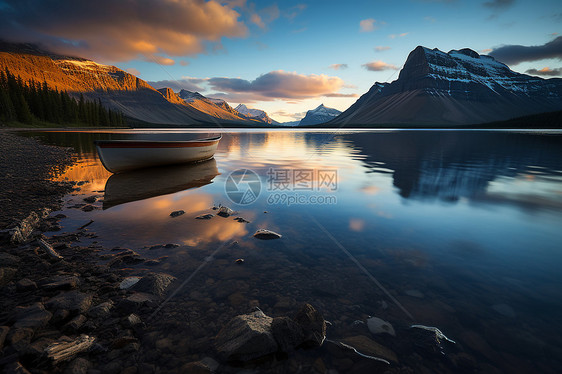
<point x="258" y="114"/>
<point x="320" y="114"/>
<point x="458" y="87"/>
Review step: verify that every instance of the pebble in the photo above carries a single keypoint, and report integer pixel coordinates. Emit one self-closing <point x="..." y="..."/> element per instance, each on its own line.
<point x="265" y="234"/>
<point x="177" y="213"/>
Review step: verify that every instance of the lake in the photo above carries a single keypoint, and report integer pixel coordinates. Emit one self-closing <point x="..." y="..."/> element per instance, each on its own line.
<point x="459" y="230"/>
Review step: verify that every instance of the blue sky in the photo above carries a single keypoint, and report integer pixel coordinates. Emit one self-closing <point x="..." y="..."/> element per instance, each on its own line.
<point x="221" y="48"/>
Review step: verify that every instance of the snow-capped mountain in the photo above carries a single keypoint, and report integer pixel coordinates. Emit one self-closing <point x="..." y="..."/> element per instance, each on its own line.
<point x="455" y="88"/>
<point x="217" y="108"/>
<point x="321" y="114"/>
<point x="254" y="114"/>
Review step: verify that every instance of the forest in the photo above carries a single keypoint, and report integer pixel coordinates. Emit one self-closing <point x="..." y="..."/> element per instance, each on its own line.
<point x="35" y="103"/>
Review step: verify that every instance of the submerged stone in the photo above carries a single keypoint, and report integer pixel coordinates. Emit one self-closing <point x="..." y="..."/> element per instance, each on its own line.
<point x="265" y="234"/>
<point x="246" y="337"/>
<point x="177" y="213"/>
<point x="379" y="326"/>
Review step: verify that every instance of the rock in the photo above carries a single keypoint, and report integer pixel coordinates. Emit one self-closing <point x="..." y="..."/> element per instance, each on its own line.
<point x="102" y="310"/>
<point x="20" y="338"/>
<point x="74" y="325"/>
<point x="211" y="363"/>
<point x="246" y="337"/>
<point x="241" y="220"/>
<point x="414" y="293"/>
<point x="239" y="261"/>
<point x="171" y="245"/>
<point x="88" y="208"/>
<point x="154" y="283"/>
<point x="128" y="282"/>
<point x="313" y="325"/>
<point x="287" y="333"/>
<point x="225" y="211"/>
<point x="90" y="199"/>
<point x="196" y="367"/>
<point x="177" y="213"/>
<point x="62" y="283"/>
<point x="131" y="320"/>
<point x="379" y="326"/>
<point x="369" y="347"/>
<point x="33" y="317"/>
<point x="74" y="301"/>
<point x="135" y="301"/>
<point x="78" y="366"/>
<point x="6" y="275"/>
<point x="9" y="260"/>
<point x="264" y="234"/>
<point x="205" y="216"/>
<point x="3" y="333"/>
<point x="505" y="310"/>
<point x="428" y="339"/>
<point x="25" y="284"/>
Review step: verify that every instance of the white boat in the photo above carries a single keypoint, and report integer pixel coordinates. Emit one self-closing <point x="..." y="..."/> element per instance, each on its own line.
<point x="122" y="155"/>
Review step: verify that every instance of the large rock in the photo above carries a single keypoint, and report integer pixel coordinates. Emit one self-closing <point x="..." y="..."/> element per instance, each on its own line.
<point x="64" y="282"/>
<point x="287" y="333"/>
<point x="73" y="301"/>
<point x="33" y="317"/>
<point x="246" y="337"/>
<point x="312" y="324"/>
<point x="154" y="283"/>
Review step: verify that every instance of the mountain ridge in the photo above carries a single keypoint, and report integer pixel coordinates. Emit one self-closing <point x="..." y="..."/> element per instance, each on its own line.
<point x="456" y="88"/>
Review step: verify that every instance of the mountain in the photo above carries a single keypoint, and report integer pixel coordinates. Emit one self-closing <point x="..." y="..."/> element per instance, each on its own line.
<point x="319" y="115"/>
<point x="216" y="108"/>
<point x="455" y="88"/>
<point x="255" y="114"/>
<point x="115" y="88"/>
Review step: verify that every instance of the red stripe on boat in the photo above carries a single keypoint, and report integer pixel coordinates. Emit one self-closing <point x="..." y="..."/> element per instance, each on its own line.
<point x="118" y="144"/>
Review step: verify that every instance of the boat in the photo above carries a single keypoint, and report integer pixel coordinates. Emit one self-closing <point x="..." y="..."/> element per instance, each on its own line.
<point x="122" y="155"/>
<point x="151" y="182"/>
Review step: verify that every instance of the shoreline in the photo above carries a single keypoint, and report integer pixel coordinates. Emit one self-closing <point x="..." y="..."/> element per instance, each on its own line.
<point x="64" y="306"/>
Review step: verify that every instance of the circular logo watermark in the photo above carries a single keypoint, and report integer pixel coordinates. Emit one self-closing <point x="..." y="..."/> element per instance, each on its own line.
<point x="242" y="186"/>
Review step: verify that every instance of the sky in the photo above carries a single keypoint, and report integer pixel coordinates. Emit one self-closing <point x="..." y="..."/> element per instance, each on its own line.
<point x="285" y="57"/>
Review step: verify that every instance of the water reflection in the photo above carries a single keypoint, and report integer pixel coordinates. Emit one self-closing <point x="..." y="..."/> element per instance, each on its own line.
<point x="146" y="183"/>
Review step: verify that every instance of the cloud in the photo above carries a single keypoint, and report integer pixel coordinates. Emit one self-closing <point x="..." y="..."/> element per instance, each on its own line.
<point x="514" y="54"/>
<point x="381" y="48"/>
<point x="133" y="71"/>
<point x="338" y="66"/>
<point x="160" y="60"/>
<point x="499" y="5"/>
<point x="486" y="50"/>
<point x="256" y="19"/>
<point x="109" y="30"/>
<point x="394" y="36"/>
<point x="184" y="63"/>
<point x="546" y="72"/>
<point x="429" y="19"/>
<point x="370" y="24"/>
<point x="379" y="66"/>
<point x="340" y="95"/>
<point x="294" y="11"/>
<point x="278" y="84"/>
<point x="296" y="116"/>
<point x="185" y="83"/>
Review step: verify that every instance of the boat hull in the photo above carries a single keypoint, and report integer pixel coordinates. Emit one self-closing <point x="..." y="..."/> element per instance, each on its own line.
<point x="123" y="155"/>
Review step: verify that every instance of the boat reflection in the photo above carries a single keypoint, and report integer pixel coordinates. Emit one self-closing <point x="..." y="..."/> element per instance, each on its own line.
<point x="151" y="182"/>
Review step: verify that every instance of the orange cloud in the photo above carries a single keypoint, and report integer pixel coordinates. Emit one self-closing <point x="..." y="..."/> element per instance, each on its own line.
<point x="394" y="36"/>
<point x="370" y="24"/>
<point x="277" y="84"/>
<point x="110" y="30"/>
<point x="379" y="66"/>
<point x="356" y="224"/>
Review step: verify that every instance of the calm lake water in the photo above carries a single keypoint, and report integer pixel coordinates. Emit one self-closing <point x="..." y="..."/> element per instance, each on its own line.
<point x="463" y="229"/>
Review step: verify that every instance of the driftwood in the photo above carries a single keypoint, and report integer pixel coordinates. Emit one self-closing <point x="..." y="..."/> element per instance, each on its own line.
<point x="86" y="225"/>
<point x="49" y="249"/>
<point x="66" y="350"/>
